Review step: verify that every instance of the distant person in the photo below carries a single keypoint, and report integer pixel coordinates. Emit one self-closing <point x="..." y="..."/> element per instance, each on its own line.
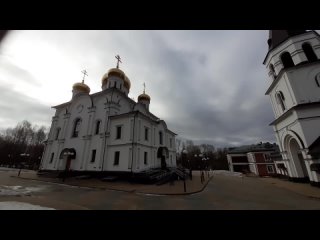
<point x="202" y="177"/>
<point x="190" y="173"/>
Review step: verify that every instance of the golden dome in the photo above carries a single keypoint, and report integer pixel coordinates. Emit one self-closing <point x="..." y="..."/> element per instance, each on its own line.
<point x="127" y="82"/>
<point x="144" y="96"/>
<point x="81" y="87"/>
<point x="119" y="73"/>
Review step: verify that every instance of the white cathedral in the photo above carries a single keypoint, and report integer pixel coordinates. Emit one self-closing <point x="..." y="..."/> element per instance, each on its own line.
<point x="293" y="63"/>
<point x="107" y="131"/>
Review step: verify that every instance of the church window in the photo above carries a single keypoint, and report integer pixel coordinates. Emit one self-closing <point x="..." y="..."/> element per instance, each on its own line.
<point x="280" y="99"/>
<point x="109" y="84"/>
<point x="270" y="169"/>
<point x="93" y="155"/>
<point x="145" y="158"/>
<point x="114" y="84"/>
<point x="160" y="138"/>
<point x="146" y="134"/>
<point x="98" y="127"/>
<point x="116" y="158"/>
<point x="170" y="142"/>
<point x="120" y="85"/>
<point x="139" y="130"/>
<point x="76" y="128"/>
<point x="51" y="159"/>
<point x="57" y="133"/>
<point x="273" y="72"/>
<point x="308" y="51"/>
<point x="286" y="60"/>
<point x="118" y="132"/>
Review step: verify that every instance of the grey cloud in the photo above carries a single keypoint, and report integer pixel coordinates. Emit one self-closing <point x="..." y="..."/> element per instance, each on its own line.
<point x="209" y="84"/>
<point x="16" y="107"/>
<point x="8" y="68"/>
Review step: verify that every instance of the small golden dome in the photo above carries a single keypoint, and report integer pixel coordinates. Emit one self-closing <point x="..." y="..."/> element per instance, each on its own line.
<point x="81" y="87"/>
<point x="127" y="82"/>
<point x="144" y="96"/>
<point x="119" y="73"/>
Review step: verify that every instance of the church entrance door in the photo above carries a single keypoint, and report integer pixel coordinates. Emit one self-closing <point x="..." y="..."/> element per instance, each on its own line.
<point x="163" y="162"/>
<point x="297" y="158"/>
<point x="68" y="163"/>
<point x="163" y="154"/>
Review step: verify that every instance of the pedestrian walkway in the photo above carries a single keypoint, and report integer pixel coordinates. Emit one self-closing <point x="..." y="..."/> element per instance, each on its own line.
<point x="178" y="187"/>
<point x="301" y="188"/>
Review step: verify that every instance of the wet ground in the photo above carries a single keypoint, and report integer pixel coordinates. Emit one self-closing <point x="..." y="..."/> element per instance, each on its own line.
<point x="222" y="192"/>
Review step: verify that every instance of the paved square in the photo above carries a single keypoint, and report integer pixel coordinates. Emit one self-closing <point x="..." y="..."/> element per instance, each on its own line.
<point x="223" y="192"/>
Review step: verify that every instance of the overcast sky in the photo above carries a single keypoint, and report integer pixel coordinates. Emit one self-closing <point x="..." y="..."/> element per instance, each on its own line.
<point x="209" y="86"/>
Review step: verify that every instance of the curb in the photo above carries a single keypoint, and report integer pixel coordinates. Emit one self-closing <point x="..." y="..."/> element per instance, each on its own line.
<point x="177" y="194"/>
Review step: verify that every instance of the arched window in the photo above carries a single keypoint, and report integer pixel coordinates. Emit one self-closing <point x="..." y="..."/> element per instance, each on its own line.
<point x="287" y="60"/>
<point x="57" y="133"/>
<point x="160" y="138"/>
<point x="317" y="78"/>
<point x="273" y="72"/>
<point x="308" y="51"/>
<point x="51" y="158"/>
<point x="98" y="127"/>
<point x="76" y="128"/>
<point x="280" y="99"/>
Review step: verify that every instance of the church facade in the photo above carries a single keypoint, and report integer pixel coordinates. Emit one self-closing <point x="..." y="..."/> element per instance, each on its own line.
<point x="293" y="64"/>
<point x="107" y="131"/>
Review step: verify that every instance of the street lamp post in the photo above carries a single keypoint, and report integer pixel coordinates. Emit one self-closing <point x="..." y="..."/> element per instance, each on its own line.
<point x="22" y="155"/>
<point x="9" y="158"/>
<point x="207" y="166"/>
<point x="184" y="152"/>
<point x="200" y="160"/>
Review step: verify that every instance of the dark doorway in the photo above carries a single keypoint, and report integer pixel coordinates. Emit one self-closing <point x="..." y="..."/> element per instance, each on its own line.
<point x="241" y="168"/>
<point x="297" y="158"/>
<point x="163" y="154"/>
<point x="68" y="164"/>
<point x="163" y="162"/>
<point x="68" y="154"/>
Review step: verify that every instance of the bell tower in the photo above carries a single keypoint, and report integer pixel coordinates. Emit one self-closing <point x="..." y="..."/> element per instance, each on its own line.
<point x="293" y="66"/>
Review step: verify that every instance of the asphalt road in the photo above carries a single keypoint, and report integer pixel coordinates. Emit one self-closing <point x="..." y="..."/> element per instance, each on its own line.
<point x="222" y="192"/>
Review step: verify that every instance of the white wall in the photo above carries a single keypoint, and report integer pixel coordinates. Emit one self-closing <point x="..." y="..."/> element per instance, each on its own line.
<point x="110" y="107"/>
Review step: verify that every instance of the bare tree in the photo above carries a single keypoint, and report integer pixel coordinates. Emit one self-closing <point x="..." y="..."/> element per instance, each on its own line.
<point x="24" y="138"/>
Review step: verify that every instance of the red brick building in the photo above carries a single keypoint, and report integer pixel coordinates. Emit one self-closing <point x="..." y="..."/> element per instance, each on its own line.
<point x="255" y="159"/>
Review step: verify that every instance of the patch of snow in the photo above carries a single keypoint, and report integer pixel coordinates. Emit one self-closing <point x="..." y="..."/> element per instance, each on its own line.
<point x="21" y="206"/>
<point x="18" y="190"/>
<point x="5" y="169"/>
<point x="228" y="173"/>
